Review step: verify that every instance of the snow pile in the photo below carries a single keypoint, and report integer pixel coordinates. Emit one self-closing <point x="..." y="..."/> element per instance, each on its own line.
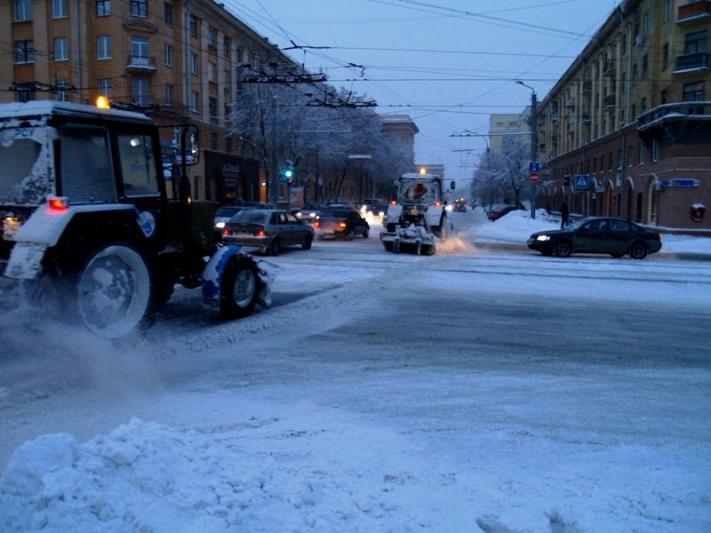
<point x="149" y="477"/>
<point x="514" y="227"/>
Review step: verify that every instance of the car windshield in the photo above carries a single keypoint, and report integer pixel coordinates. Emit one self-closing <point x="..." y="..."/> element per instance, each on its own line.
<point x="27" y="170"/>
<point x="227" y="211"/>
<point x="251" y="216"/>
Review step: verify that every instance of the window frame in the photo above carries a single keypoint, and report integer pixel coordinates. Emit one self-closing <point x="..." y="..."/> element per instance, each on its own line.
<point x="64" y="48"/>
<point x="138" y="8"/>
<point x="103" y="8"/>
<point x="168" y="13"/>
<point x="24" y="7"/>
<point x="137" y="97"/>
<point x="105" y="86"/>
<point x="104" y="39"/>
<point x="25" y="53"/>
<point x="63" y="8"/>
<point x="168" y="58"/>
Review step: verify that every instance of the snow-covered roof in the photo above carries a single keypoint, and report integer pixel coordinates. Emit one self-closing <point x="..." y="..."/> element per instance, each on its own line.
<point x="49" y="107"/>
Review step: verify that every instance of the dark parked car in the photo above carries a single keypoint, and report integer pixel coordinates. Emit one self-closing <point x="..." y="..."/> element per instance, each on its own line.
<point x="341" y="222"/>
<point x="598" y="235"/>
<point x="496" y="214"/>
<point x="267" y="229"/>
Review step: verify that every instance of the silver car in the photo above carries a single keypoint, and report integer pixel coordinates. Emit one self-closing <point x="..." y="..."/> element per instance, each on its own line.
<point x="269" y="230"/>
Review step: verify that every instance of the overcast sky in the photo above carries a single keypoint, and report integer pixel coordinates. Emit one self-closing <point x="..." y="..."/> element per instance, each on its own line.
<point x="459" y="57"/>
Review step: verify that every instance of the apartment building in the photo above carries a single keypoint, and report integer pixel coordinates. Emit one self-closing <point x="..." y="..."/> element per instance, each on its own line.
<point x="627" y="130"/>
<point x="176" y="60"/>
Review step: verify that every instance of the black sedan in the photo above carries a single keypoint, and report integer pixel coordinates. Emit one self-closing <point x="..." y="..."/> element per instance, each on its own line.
<point x="346" y="223"/>
<point x="598" y="236"/>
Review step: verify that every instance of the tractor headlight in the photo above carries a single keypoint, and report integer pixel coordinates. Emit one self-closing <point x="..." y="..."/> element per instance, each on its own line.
<point x="543" y="238"/>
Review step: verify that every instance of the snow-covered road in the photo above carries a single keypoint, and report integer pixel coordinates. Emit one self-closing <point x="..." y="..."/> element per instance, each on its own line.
<point x="502" y="391"/>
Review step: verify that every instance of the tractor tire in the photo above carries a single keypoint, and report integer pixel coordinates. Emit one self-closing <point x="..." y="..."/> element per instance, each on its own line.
<point x="428" y="249"/>
<point x="113" y="292"/>
<point x="240" y="284"/>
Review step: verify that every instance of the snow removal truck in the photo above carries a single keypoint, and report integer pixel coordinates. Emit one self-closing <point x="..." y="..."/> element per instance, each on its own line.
<point x="98" y="221"/>
<point x="418" y="215"/>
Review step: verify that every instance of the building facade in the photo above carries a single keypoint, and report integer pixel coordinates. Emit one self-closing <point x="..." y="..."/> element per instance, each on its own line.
<point x="502" y="125"/>
<point x="177" y="61"/>
<point x="627" y="130"/>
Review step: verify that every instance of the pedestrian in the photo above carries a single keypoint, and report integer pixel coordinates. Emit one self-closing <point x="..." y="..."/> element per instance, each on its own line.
<point x="564" y="215"/>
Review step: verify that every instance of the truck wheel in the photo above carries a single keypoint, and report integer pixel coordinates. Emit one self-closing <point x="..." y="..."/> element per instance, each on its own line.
<point x="114" y="291"/>
<point x="238" y="293"/>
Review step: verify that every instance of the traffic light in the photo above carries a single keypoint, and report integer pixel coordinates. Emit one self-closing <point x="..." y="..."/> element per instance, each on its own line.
<point x="289" y="172"/>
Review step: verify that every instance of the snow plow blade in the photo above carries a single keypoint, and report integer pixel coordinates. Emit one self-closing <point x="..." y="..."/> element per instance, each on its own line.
<point x="414" y="240"/>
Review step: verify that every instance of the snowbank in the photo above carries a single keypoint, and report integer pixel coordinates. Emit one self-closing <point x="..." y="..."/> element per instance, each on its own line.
<point x="149" y="477"/>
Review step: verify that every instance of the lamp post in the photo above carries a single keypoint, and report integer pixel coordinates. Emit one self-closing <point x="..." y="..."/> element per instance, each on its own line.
<point x="534" y="144"/>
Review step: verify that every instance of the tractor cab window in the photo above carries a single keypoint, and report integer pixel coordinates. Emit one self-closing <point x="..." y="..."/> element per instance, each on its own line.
<point x="138" y="166"/>
<point x="85" y="170"/>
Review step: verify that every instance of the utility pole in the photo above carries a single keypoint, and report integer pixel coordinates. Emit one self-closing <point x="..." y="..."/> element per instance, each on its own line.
<point x="534" y="144"/>
<point x="273" y="171"/>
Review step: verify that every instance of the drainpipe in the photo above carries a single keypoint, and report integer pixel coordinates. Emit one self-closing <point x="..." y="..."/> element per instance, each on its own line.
<point x="78" y="33"/>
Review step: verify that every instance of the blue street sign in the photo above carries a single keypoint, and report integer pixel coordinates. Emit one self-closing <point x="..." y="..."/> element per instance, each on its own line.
<point x="534" y="166"/>
<point x="582" y="182"/>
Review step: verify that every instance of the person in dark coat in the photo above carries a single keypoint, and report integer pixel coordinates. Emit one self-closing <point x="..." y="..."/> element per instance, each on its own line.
<point x="564" y="215"/>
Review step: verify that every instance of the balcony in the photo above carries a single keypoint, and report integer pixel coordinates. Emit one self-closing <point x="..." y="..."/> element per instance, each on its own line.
<point x="691" y="62"/>
<point x="140" y="63"/>
<point x="692" y="12"/>
<point x="661" y="117"/>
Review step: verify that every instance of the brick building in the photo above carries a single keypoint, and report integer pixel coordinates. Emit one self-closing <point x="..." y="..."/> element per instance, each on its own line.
<point x="177" y="61"/>
<point x="631" y="118"/>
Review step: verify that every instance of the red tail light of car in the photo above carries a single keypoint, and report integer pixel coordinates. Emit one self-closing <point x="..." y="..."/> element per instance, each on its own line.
<point x="317" y="224"/>
<point x="260" y="233"/>
<point x="342" y="225"/>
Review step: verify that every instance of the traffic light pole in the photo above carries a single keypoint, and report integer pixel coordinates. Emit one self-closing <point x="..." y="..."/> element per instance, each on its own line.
<point x="534" y="150"/>
<point x="273" y="171"/>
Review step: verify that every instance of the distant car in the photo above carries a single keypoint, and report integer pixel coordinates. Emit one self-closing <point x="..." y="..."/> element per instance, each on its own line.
<point x="339" y="222"/>
<point x="496" y="214"/>
<point x="460" y="205"/>
<point x="308" y="213"/>
<point x="375" y="207"/>
<point x="270" y="230"/>
<point x="612" y="236"/>
<point x="224" y="214"/>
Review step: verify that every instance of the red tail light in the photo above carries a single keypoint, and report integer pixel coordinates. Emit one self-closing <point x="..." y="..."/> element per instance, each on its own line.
<point x="58" y="204"/>
<point x="261" y="233"/>
<point x="225" y="232"/>
<point x="317" y="224"/>
<point x="342" y="224"/>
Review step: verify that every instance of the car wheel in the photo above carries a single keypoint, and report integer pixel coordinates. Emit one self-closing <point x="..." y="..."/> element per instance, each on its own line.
<point x="275" y="248"/>
<point x="547" y="253"/>
<point x="563" y="249"/>
<point x="617" y="255"/>
<point x="388" y="246"/>
<point x="350" y="235"/>
<point x="638" y="251"/>
<point x="238" y="293"/>
<point x="366" y="232"/>
<point x="307" y="242"/>
<point x="114" y="292"/>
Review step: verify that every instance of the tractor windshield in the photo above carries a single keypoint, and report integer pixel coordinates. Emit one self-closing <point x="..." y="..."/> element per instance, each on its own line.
<point x="419" y="191"/>
<point x="27" y="171"/>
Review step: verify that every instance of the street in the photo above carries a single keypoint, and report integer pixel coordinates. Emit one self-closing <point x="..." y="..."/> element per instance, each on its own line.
<point x="497" y="388"/>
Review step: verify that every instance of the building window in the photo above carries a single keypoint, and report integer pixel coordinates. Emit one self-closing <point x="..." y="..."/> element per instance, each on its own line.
<point x="193" y="24"/>
<point x="212" y="36"/>
<point x="693" y="92"/>
<point x="24" y="52"/>
<point x="26" y="92"/>
<point x="645" y="22"/>
<point x="640" y="154"/>
<point x="655" y="150"/>
<point x="168" y="53"/>
<point x="665" y="56"/>
<point x="141" y="91"/>
<point x="103" y="47"/>
<point x="630" y="156"/>
<point x="59" y="9"/>
<point x="226" y="47"/>
<point x="213" y="107"/>
<point x="60" y="48"/>
<point x="105" y="86"/>
<point x="644" y="66"/>
<point x="211" y="72"/>
<point x="194" y="101"/>
<point x="664" y="96"/>
<point x="168" y="94"/>
<point x="103" y="8"/>
<point x="228" y="144"/>
<point x="696" y="42"/>
<point x="643" y="105"/>
<point x="609" y="161"/>
<point x="194" y="64"/>
<point x="213" y="141"/>
<point x="62" y="88"/>
<point x="168" y="13"/>
<point x="22" y="10"/>
<point x="139" y="50"/>
<point x="667" y="10"/>
<point x="139" y="8"/>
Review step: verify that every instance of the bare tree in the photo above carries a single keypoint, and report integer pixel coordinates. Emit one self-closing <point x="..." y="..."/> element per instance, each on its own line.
<point x="501" y="177"/>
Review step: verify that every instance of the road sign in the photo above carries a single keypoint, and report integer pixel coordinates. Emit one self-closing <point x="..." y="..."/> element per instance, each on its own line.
<point x="534" y="177"/>
<point x="582" y="182"/>
<point x="534" y="167"/>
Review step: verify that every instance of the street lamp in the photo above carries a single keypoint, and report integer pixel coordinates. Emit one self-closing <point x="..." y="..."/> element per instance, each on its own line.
<point x="534" y="143"/>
